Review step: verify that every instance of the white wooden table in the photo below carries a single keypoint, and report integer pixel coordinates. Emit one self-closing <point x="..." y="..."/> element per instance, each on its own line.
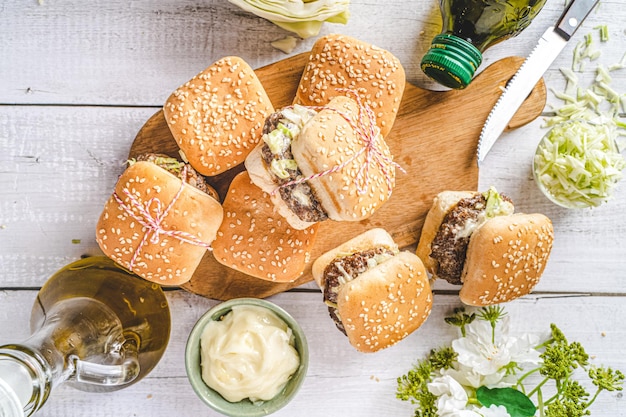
<point x="79" y="78"/>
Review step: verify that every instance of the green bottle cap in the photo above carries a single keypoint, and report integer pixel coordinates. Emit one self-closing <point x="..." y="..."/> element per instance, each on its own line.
<point x="451" y="61"/>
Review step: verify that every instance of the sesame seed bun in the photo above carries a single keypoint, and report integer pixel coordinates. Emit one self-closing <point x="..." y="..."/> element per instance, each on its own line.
<point x="217" y="117"/>
<point x="387" y="302"/>
<point x="328" y="141"/>
<point x="165" y="260"/>
<point x="339" y="61"/>
<point x="506" y="258"/>
<point x="442" y="204"/>
<point x="325" y="142"/>
<point x="255" y="240"/>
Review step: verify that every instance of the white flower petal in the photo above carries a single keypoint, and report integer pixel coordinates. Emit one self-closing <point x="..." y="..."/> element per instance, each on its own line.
<point x="492" y="411"/>
<point x="486" y="352"/>
<point x="451" y="395"/>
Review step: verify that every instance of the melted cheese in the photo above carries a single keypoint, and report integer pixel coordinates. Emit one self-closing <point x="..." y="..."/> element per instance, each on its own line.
<point x="505" y="209"/>
<point x="250" y="353"/>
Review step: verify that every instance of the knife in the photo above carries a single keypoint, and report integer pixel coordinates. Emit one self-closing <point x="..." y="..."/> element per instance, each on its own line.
<point x="519" y="87"/>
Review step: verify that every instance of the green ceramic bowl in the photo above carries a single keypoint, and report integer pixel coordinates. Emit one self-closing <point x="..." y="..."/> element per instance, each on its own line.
<point x="244" y="408"/>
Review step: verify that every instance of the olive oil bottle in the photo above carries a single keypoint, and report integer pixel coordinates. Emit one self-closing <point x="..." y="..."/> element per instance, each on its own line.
<point x="469" y="28"/>
<point x="94" y="326"/>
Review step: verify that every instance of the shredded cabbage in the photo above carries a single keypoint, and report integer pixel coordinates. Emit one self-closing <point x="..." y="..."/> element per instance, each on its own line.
<point x="286" y="44"/>
<point x="280" y="167"/>
<point x="496" y="205"/>
<point x="578" y="163"/>
<point x="276" y="140"/>
<point x="303" y="17"/>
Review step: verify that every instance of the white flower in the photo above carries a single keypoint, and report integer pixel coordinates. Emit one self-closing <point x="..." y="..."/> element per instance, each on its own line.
<point x="492" y="411"/>
<point x="467" y="376"/>
<point x="452" y="398"/>
<point x="482" y="358"/>
<point x="462" y="413"/>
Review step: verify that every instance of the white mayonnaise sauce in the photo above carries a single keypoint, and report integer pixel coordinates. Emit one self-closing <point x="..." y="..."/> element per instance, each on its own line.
<point x="250" y="353"/>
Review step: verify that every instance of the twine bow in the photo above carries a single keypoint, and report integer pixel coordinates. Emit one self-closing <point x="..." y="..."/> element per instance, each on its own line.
<point x="142" y="213"/>
<point x="366" y="129"/>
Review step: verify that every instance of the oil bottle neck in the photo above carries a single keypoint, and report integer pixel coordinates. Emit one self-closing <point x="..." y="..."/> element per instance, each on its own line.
<point x="27" y="377"/>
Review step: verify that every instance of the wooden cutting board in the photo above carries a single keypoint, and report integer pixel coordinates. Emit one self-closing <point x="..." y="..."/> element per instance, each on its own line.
<point x="434" y="139"/>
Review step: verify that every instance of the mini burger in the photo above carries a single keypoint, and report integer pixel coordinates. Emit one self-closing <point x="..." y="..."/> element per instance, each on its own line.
<point x="256" y="240"/>
<point x="217" y="117"/>
<point x="323" y="163"/>
<point x="475" y="240"/>
<point x="376" y="294"/>
<point x="160" y="220"/>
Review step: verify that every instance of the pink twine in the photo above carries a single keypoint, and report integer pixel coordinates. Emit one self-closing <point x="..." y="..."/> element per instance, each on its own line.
<point x="366" y="131"/>
<point x="142" y="214"/>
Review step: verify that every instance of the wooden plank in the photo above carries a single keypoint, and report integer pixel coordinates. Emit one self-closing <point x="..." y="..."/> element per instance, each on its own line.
<point x="121" y="53"/>
<point x="58" y="166"/>
<point x="361" y="384"/>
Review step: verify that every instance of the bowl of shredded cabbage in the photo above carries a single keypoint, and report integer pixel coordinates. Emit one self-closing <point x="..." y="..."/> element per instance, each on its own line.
<point x="578" y="163"/>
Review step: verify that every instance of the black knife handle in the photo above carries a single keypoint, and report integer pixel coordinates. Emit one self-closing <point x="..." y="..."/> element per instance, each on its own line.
<point x="573" y="16"/>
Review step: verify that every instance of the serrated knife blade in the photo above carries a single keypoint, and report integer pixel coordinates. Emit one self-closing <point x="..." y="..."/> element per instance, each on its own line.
<point x="530" y="72"/>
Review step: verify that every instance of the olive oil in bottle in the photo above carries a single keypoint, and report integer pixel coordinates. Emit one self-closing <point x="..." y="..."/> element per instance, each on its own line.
<point x="469" y="28"/>
<point x="94" y="326"/>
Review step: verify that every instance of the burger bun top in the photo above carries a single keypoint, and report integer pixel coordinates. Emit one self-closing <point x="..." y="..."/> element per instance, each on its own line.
<point x="329" y="140"/>
<point x="256" y="240"/>
<point x="386" y="303"/>
<point x="506" y="258"/>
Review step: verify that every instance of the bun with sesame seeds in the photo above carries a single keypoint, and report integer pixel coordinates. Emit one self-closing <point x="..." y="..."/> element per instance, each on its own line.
<point x="376" y="295"/>
<point x="216" y="117"/>
<point x="340" y="61"/>
<point x="473" y="239"/>
<point x="341" y="168"/>
<point x="157" y="226"/>
<point x="506" y="258"/>
<point x="255" y="240"/>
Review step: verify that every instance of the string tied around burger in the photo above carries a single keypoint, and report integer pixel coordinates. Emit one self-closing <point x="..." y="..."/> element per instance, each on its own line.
<point x="150" y="214"/>
<point x="366" y="129"/>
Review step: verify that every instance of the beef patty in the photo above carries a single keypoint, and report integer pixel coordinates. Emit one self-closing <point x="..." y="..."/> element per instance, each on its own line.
<point x="449" y="247"/>
<point x="300" y="198"/>
<point x="345" y="269"/>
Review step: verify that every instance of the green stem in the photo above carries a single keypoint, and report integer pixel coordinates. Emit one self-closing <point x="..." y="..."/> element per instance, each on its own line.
<point x="549" y="400"/>
<point x="544" y="344"/>
<point x="526" y="375"/>
<point x="594" y="398"/>
<point x="537" y="388"/>
<point x="540" y="403"/>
